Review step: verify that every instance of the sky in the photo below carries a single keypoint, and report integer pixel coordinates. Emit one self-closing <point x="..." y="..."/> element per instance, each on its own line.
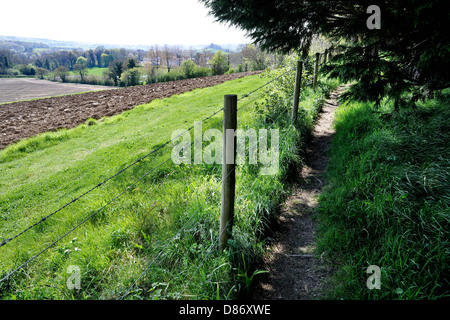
<point x="129" y="22"/>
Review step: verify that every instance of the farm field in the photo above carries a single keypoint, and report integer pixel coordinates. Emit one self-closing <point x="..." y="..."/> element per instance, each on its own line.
<point x="105" y="197"/>
<point x="167" y="212"/>
<point x="15" y="89"/>
<point x="130" y="172"/>
<point x="92" y="71"/>
<point x="87" y="155"/>
<point x="27" y="118"/>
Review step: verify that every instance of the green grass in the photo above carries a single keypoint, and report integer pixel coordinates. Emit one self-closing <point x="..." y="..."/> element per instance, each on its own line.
<point x="40" y="174"/>
<point x="387" y="201"/>
<point x="96" y="71"/>
<point x="168" y="222"/>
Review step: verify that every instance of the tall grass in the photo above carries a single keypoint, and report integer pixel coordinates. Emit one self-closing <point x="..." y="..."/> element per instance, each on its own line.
<point x="41" y="174"/>
<point x="387" y="201"/>
<point x="160" y="239"/>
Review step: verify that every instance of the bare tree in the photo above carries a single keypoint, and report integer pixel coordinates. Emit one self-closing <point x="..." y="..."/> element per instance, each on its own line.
<point x="62" y="72"/>
<point x="81" y="69"/>
<point x="166" y="55"/>
<point x="41" y="72"/>
<point x="254" y="56"/>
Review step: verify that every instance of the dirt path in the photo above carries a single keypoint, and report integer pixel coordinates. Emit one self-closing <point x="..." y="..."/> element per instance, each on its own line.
<point x="294" y="271"/>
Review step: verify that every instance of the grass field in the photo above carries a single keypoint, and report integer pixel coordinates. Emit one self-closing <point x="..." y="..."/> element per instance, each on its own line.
<point x="166" y="222"/>
<point x="91" y="71"/>
<point x="40" y="174"/>
<point x="97" y="71"/>
<point x="387" y="202"/>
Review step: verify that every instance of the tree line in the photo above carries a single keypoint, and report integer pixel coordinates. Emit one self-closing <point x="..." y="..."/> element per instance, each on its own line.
<point x="126" y="67"/>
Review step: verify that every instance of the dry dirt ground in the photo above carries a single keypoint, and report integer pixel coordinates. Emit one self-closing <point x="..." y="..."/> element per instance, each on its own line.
<point x="295" y="272"/>
<point x="24" y="119"/>
<point x="25" y="89"/>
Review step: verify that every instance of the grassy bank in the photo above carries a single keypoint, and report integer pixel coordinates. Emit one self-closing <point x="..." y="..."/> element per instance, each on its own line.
<point x="40" y="174"/>
<point x="159" y="239"/>
<point x="387" y="201"/>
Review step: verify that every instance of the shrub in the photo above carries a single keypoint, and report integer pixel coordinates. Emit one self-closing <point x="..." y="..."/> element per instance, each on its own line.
<point x="188" y="68"/>
<point x="202" y="72"/>
<point x="41" y="72"/>
<point x="108" y="82"/>
<point x="62" y="72"/>
<point x="91" y="79"/>
<point x="219" y="63"/>
<point x="131" y="77"/>
<point x="171" y="76"/>
<point x="27" y="69"/>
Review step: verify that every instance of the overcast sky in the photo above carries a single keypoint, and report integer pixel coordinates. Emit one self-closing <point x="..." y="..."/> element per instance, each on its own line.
<point x="129" y="22"/>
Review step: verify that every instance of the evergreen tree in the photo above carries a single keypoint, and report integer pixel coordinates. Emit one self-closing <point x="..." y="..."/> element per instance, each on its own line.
<point x="408" y="51"/>
<point x="115" y="71"/>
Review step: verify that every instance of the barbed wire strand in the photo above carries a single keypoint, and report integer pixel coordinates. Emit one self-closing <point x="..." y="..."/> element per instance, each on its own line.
<point x="82" y="222"/>
<point x="267" y="83"/>
<point x="4" y="242"/>
<point x="52" y="244"/>
<point x="106" y="180"/>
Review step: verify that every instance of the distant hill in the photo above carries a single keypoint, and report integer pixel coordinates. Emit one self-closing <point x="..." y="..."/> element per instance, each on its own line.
<point x="57" y="44"/>
<point x="39" y="42"/>
<point x="214" y="47"/>
<point x="23" y="44"/>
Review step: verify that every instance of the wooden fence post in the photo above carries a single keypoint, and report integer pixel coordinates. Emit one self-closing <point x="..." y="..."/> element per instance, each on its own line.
<point x="228" y="169"/>
<point x="298" y="81"/>
<point x="316" y="70"/>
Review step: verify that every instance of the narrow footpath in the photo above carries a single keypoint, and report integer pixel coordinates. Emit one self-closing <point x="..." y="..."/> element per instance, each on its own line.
<point x="294" y="270"/>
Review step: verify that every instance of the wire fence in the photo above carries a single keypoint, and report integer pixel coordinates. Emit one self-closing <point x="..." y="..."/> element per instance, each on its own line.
<point x="211" y="247"/>
<point x="168" y="243"/>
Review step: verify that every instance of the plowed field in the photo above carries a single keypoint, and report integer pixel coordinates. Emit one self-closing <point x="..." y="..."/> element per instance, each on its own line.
<point x="24" y="119"/>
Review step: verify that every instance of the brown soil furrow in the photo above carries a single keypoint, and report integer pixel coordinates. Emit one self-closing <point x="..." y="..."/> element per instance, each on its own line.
<point x="68" y="111"/>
